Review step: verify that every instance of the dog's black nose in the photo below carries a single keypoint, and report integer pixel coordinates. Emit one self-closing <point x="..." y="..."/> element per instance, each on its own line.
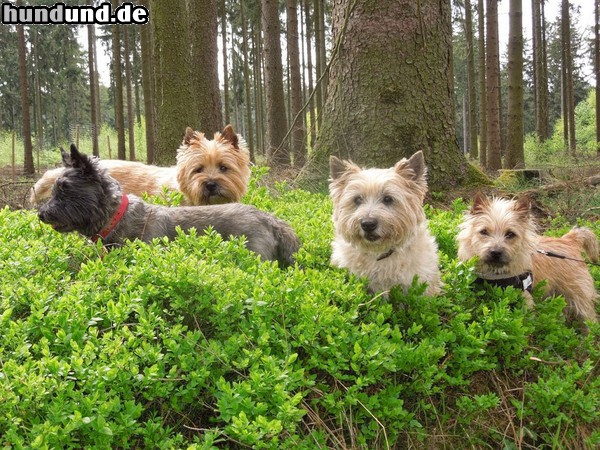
<point x="368" y="225"/>
<point x="496" y="255"/>
<point x="211" y="186"/>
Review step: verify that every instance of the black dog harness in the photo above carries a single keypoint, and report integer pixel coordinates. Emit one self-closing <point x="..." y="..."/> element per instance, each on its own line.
<point x="523" y="282"/>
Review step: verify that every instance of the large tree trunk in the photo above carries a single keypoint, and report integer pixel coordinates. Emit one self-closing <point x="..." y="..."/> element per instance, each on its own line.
<point x="296" y="113"/>
<point x="175" y="101"/>
<point x="391" y="88"/>
<point x="494" y="144"/>
<point x="204" y="24"/>
<point x="28" y="167"/>
<point x="482" y="85"/>
<point x="515" y="156"/>
<point x="278" y="153"/>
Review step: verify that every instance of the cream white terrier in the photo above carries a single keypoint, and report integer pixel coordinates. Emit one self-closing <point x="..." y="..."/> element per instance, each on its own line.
<point x="380" y="227"/>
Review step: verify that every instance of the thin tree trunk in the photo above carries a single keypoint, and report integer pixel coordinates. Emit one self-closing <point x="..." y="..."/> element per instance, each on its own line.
<point x="471" y="90"/>
<point x="296" y="114"/>
<point x="118" y="76"/>
<point x="278" y="153"/>
<point x="37" y="95"/>
<point x="319" y="98"/>
<point x="309" y="69"/>
<point x="136" y="75"/>
<point x="515" y="156"/>
<point x="597" y="70"/>
<point x="226" y="99"/>
<point x="28" y="167"/>
<point x="247" y="84"/>
<point x="494" y="161"/>
<point x="93" y="95"/>
<point x="569" y="92"/>
<point x="482" y="86"/>
<point x="148" y="88"/>
<point x="540" y="76"/>
<point x="128" y="84"/>
<point x="258" y="91"/>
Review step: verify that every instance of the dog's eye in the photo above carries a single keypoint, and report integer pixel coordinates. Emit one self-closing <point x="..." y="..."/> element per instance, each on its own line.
<point x="510" y="235"/>
<point x="199" y="169"/>
<point x="387" y="200"/>
<point x="484" y="232"/>
<point x="358" y="200"/>
<point x="223" y="169"/>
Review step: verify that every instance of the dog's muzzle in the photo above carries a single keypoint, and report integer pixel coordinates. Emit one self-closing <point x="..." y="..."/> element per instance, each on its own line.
<point x="369" y="225"/>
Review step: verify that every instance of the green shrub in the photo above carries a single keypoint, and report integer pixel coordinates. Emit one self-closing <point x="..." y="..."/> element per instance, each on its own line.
<point x="196" y="343"/>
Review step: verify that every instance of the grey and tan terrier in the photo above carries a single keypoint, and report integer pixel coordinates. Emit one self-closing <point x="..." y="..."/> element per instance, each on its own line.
<point x="86" y="199"/>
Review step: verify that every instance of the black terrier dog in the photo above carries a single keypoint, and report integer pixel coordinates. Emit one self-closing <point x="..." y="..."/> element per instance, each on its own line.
<point x="88" y="200"/>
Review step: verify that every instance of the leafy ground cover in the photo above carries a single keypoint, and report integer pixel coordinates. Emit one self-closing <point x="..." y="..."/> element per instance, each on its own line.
<point x="196" y="343"/>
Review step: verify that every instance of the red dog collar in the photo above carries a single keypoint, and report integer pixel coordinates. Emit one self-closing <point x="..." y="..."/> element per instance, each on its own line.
<point x="116" y="218"/>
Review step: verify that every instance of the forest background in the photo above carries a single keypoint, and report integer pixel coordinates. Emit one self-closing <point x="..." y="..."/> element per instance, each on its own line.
<point x="67" y="69"/>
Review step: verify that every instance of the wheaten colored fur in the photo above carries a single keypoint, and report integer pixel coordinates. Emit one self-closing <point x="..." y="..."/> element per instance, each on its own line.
<point x="213" y="171"/>
<point x="207" y="171"/>
<point x="501" y="233"/>
<point x="380" y="227"/>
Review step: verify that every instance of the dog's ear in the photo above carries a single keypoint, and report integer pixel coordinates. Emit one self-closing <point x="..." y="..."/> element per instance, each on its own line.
<point x="522" y="206"/>
<point x="229" y="135"/>
<point x="189" y="134"/>
<point x="480" y="203"/>
<point x="413" y="168"/>
<point x="81" y="161"/>
<point x="66" y="158"/>
<point x="338" y="167"/>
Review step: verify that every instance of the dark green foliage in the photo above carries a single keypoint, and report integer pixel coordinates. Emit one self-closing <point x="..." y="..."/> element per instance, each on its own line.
<point x="196" y="343"/>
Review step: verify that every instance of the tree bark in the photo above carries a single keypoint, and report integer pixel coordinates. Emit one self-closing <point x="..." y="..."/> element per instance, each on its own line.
<point x="297" y="115"/>
<point x="471" y="89"/>
<point x="205" y="63"/>
<point x="515" y="156"/>
<point x="247" y="83"/>
<point x="148" y="89"/>
<point x="391" y="88"/>
<point x="278" y="153"/>
<point x="28" y="167"/>
<point x="597" y="70"/>
<point x="118" y="77"/>
<point x="226" y="100"/>
<point x="482" y="86"/>
<point x="175" y="101"/>
<point x="93" y="95"/>
<point x="540" y="76"/>
<point x="569" y="97"/>
<point x="128" y="90"/>
<point x="494" y="161"/>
